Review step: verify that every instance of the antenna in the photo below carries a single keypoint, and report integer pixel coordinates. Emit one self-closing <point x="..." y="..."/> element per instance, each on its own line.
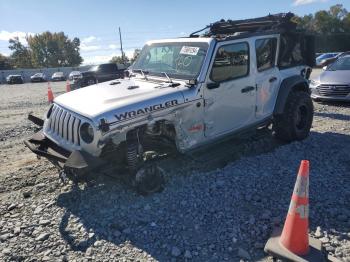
<point x="121" y="45"/>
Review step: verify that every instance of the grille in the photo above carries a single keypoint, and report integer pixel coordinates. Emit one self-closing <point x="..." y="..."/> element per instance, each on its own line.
<point x="334" y="90"/>
<point x="64" y="125"/>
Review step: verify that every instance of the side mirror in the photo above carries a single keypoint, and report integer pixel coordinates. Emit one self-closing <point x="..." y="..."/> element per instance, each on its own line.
<point x="213" y="85"/>
<point x="324" y="68"/>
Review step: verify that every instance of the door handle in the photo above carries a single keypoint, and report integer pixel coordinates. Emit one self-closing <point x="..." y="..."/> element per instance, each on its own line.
<point x="272" y="79"/>
<point x="247" y="89"/>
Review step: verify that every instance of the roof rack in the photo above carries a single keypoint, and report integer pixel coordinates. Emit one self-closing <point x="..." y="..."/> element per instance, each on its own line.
<point x="230" y="27"/>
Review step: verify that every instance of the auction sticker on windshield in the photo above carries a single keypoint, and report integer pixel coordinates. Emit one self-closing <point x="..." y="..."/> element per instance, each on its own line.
<point x="189" y="50"/>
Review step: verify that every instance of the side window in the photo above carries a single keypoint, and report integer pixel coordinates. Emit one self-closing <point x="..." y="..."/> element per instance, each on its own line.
<point x="231" y="61"/>
<point x="265" y="53"/>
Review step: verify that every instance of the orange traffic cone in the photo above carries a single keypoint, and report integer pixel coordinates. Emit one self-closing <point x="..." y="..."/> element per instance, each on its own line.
<point x="49" y="93"/>
<point x="294" y="243"/>
<point x="68" y="86"/>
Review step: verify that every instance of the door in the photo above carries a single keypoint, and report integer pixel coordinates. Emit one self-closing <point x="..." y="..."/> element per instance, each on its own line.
<point x="230" y="90"/>
<point x="267" y="76"/>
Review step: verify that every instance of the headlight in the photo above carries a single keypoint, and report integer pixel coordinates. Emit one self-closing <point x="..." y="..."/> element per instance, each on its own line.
<point x="314" y="84"/>
<point x="87" y="133"/>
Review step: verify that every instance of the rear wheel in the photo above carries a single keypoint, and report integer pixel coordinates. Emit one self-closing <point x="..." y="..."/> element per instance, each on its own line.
<point x="296" y="120"/>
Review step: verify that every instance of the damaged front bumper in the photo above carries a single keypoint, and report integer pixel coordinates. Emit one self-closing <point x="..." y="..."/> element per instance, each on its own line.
<point x="77" y="162"/>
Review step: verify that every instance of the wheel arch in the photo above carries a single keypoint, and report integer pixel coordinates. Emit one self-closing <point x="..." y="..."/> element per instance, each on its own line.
<point x="290" y="84"/>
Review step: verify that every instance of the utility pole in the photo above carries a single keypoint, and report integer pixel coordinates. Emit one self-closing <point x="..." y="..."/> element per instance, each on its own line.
<point x="121" y="45"/>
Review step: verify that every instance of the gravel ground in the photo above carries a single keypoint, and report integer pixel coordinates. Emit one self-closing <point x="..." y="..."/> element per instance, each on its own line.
<point x="212" y="208"/>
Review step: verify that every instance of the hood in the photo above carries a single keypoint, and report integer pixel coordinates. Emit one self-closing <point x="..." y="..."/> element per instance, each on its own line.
<point x="119" y="97"/>
<point x="339" y="77"/>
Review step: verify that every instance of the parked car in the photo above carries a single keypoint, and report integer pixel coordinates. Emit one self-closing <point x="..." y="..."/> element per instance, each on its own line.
<point x="183" y="94"/>
<point x="75" y="78"/>
<point x="58" y="76"/>
<point x="332" y="59"/>
<point x="322" y="60"/>
<point x="14" y="79"/>
<point x="334" y="82"/>
<point x="38" y="77"/>
<point x="102" y="73"/>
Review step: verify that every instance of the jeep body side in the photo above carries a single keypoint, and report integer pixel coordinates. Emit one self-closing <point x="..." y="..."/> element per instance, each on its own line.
<point x="185" y="93"/>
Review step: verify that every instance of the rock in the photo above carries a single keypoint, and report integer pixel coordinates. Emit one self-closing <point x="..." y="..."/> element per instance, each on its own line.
<point x="26" y="194"/>
<point x="175" y="251"/>
<point x="44" y="222"/>
<point x="89" y="251"/>
<point x="266" y="215"/>
<point x="188" y="254"/>
<point x="318" y="232"/>
<point x="342" y="218"/>
<point x="259" y="245"/>
<point x="243" y="254"/>
<point x="42" y="237"/>
<point x="17" y="230"/>
<point x="98" y="243"/>
<point x="324" y="240"/>
<point x="38" y="210"/>
<point x="11" y="207"/>
<point x="4" y="237"/>
<point x="6" y="251"/>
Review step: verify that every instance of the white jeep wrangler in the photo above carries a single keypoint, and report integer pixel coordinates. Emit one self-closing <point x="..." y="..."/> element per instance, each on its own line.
<point x="184" y="93"/>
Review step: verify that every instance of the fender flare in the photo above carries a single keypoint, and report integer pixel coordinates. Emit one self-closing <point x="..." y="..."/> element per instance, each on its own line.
<point x="290" y="84"/>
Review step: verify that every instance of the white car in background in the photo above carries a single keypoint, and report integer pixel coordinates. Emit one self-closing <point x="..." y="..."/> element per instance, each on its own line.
<point x="58" y="76"/>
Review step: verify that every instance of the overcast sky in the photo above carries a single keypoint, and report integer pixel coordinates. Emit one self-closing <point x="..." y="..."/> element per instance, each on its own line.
<point x="96" y="22"/>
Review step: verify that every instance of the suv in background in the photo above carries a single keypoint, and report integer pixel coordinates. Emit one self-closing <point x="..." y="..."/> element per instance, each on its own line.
<point x="102" y="73"/>
<point x="183" y="94"/>
<point x="14" y="79"/>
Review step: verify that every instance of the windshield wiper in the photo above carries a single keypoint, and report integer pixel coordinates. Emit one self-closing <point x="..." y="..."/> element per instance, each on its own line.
<point x="169" y="79"/>
<point x="143" y="73"/>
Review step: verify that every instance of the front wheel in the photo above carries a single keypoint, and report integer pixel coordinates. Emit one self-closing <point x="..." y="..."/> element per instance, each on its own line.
<point x="296" y="120"/>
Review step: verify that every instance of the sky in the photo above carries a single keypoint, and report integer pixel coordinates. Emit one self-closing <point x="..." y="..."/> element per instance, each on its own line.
<point x="96" y="22"/>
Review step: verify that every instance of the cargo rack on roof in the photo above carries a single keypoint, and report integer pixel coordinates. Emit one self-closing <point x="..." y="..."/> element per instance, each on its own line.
<point x="223" y="28"/>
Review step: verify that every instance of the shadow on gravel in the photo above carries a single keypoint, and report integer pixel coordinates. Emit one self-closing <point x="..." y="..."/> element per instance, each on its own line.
<point x="214" y="214"/>
<point x="333" y="115"/>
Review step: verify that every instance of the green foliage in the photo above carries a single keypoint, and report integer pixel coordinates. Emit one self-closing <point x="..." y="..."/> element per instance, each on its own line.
<point x="332" y="28"/>
<point x="127" y="60"/>
<point x="334" y="21"/>
<point x="5" y="63"/>
<point x="54" y="50"/>
<point x="46" y="50"/>
<point x="21" y="55"/>
<point x="119" y="60"/>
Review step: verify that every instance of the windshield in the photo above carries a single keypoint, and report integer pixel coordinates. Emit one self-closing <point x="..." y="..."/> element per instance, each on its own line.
<point x="94" y="68"/>
<point x="179" y="59"/>
<point x="325" y="56"/>
<point x="342" y="63"/>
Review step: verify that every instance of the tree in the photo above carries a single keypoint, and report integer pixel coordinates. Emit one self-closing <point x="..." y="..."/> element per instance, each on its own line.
<point x="5" y="63"/>
<point x="21" y="55"/>
<point x="135" y="55"/>
<point x="54" y="50"/>
<point x="334" y="21"/>
<point x="119" y="60"/>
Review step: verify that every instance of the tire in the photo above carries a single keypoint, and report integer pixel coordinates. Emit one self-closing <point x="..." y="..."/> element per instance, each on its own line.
<point x="149" y="180"/>
<point x="91" y="81"/>
<point x="296" y="120"/>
